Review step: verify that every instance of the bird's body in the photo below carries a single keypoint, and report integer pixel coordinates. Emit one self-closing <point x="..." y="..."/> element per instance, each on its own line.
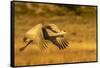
<point x="42" y="33"/>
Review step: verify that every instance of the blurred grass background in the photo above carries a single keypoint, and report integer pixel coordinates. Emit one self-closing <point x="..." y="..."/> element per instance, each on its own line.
<point x="78" y="21"/>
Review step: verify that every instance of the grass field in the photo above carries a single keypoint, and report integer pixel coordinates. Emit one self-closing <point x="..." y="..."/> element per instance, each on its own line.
<point x="80" y="28"/>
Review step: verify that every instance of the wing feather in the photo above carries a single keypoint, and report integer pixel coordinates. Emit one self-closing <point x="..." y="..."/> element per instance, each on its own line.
<point x="36" y="34"/>
<point x="62" y="42"/>
<point x="42" y="41"/>
<point x="54" y="27"/>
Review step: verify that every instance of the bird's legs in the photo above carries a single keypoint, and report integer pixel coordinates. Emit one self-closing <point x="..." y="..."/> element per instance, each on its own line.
<point x="22" y="48"/>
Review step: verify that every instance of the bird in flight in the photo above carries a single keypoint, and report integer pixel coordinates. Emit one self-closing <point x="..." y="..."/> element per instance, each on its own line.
<point x="42" y="33"/>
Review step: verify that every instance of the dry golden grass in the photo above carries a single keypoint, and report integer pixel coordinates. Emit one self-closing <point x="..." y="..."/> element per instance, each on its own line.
<point x="81" y="35"/>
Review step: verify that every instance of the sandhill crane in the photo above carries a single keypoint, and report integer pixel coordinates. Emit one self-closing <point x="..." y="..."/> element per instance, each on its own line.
<point x="42" y="33"/>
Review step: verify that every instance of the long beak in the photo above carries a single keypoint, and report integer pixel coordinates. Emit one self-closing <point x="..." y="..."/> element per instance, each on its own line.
<point x="22" y="48"/>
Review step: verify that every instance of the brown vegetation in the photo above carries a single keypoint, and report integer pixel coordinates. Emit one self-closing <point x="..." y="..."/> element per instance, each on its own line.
<point x="78" y="21"/>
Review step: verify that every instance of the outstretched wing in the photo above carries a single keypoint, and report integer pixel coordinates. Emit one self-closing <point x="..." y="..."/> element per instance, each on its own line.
<point x="35" y="34"/>
<point x="57" y="36"/>
<point x="54" y="27"/>
<point x="41" y="39"/>
<point x="62" y="42"/>
<point x="52" y="30"/>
